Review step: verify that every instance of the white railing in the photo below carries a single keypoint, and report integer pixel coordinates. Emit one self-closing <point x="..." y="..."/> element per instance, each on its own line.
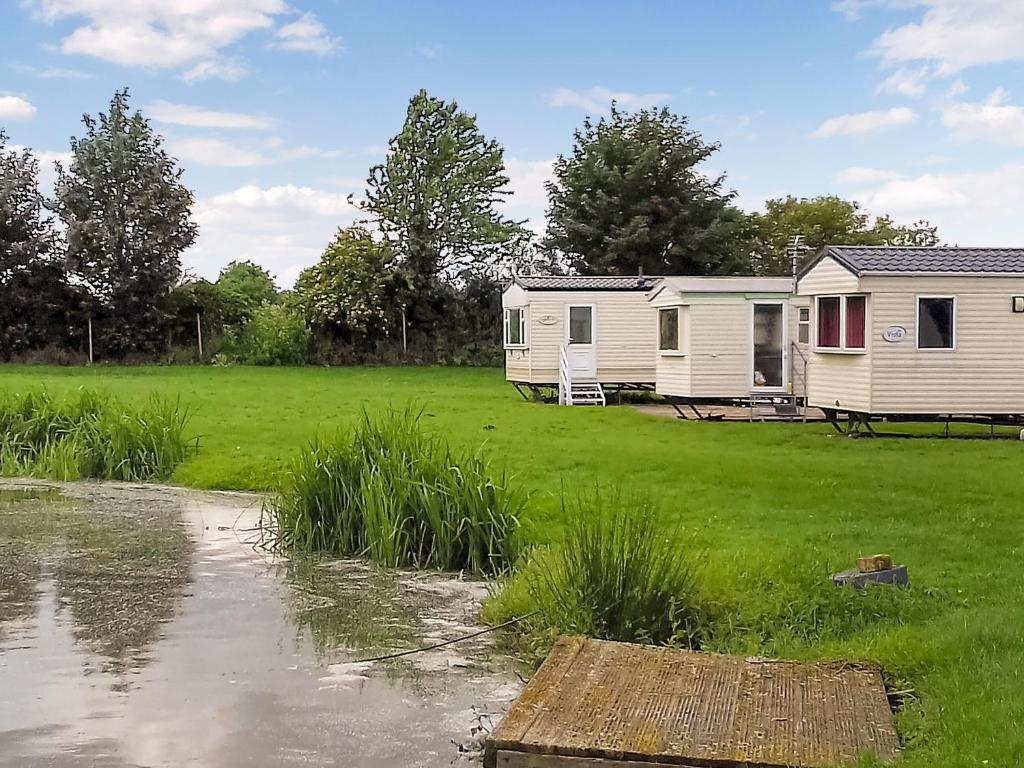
<point x="564" y="378"/>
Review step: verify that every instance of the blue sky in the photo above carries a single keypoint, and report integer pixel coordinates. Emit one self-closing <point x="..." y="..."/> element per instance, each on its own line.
<point x="276" y="108"/>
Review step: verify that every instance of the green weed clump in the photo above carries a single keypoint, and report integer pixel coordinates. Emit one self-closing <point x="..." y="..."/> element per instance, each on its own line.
<point x="616" y="576"/>
<point x="88" y="434"/>
<point x="402" y="497"/>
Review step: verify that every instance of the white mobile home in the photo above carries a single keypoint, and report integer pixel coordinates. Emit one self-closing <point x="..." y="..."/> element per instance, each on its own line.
<point x="917" y="332"/>
<point x="730" y="338"/>
<point x="601" y="328"/>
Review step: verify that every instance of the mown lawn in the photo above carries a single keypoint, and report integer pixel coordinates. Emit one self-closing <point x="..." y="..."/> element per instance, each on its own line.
<point x="747" y="493"/>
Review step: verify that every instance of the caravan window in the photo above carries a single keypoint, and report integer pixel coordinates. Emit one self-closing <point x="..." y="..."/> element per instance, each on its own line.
<point x="828" y="322"/>
<point x="936" y="322"/>
<point x="581" y="324"/>
<point x="668" y="328"/>
<point x="515" y="327"/>
<point x="804" y="328"/>
<point x="855" y="321"/>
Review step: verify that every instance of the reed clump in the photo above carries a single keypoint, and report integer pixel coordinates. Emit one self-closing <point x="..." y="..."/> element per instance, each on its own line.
<point x="393" y="492"/>
<point x="89" y="434"/>
<point x="617" y="575"/>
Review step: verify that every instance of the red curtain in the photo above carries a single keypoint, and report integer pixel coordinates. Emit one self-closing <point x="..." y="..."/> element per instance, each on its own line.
<point x="856" y="317"/>
<point x="828" y="322"/>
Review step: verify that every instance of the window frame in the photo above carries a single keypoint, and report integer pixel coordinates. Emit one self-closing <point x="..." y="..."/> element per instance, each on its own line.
<point x="523" y="327"/>
<point x="677" y="350"/>
<point x="803" y="326"/>
<point x="568" y="325"/>
<point x="952" y="318"/>
<point x="842" y="349"/>
<point x="816" y="335"/>
<point x="843" y="315"/>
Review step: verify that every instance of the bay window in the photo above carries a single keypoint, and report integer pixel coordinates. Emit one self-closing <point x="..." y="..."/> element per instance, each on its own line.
<point x="515" y="327"/>
<point x="842" y="323"/>
<point x="855" y="321"/>
<point x="828" y="322"/>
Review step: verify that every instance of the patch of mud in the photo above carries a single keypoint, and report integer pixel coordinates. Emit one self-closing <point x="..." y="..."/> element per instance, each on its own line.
<point x="139" y="626"/>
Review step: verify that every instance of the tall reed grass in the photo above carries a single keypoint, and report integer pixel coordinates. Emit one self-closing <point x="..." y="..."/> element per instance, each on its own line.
<point x="617" y="575"/>
<point x="89" y="434"/>
<point x="391" y="491"/>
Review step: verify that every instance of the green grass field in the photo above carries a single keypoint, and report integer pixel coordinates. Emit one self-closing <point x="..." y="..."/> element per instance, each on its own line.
<point x="747" y="493"/>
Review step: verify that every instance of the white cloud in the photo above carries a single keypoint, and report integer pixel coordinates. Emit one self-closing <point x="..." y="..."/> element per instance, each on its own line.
<point x="305" y="151"/>
<point x="215" y="69"/>
<point x="53" y="73"/>
<point x="980" y="208"/>
<point x="989" y="120"/>
<point x="217" y="152"/>
<point x="429" y="51"/>
<point x="349" y="182"/>
<point x="283" y="228"/>
<point x="47" y="160"/>
<point x="197" y="117"/>
<point x="864" y="123"/>
<point x="157" y="33"/>
<point x="957" y="88"/>
<point x="214" y="152"/>
<point x="862" y="175"/>
<point x="598" y="98"/>
<point x="16" y="108"/>
<point x="955" y="34"/>
<point x="906" y="82"/>
<point x="529" y="199"/>
<point x="306" y="34"/>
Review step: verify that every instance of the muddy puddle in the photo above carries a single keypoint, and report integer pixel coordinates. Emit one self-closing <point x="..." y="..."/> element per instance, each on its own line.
<point x="139" y="626"/>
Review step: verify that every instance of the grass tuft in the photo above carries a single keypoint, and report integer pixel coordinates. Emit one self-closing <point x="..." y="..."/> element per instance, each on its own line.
<point x="616" y="576"/>
<point x="88" y="434"/>
<point x="394" y="493"/>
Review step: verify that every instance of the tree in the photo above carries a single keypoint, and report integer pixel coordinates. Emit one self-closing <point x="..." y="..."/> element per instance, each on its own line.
<point x="434" y="199"/>
<point x="632" y="197"/>
<point x="353" y="288"/>
<point x="826" y="220"/>
<point x="243" y="286"/>
<point x="36" y="302"/>
<point x="128" y="220"/>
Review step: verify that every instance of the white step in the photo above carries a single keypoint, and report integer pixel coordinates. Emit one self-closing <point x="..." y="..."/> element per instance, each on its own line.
<point x="586" y="393"/>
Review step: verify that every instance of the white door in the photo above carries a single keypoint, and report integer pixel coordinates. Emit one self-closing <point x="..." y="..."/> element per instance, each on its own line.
<point x="581" y="340"/>
<point x="769" y="351"/>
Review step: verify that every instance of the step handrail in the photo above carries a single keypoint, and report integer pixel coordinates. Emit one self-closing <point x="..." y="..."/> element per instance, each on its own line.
<point x="564" y="378"/>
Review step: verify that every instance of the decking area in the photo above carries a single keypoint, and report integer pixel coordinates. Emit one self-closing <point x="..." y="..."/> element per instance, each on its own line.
<point x="599" y="704"/>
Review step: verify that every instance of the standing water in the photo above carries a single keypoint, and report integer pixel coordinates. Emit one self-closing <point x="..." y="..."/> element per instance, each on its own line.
<point x="140" y="626"/>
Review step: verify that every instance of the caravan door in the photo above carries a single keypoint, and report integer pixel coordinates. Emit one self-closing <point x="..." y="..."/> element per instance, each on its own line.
<point x="770" y="346"/>
<point x="581" y="340"/>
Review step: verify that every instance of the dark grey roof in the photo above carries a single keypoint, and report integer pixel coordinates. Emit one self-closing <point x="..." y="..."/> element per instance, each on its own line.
<point x="585" y="283"/>
<point x="883" y="258"/>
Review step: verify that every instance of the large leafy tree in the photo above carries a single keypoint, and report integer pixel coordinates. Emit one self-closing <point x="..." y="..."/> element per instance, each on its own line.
<point x="243" y="286"/>
<point x="354" y="288"/>
<point x="435" y="198"/>
<point x="128" y="218"/>
<point x="632" y="196"/>
<point x="826" y="220"/>
<point x="37" y="304"/>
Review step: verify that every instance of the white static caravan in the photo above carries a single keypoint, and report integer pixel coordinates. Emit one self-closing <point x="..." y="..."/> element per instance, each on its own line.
<point x="917" y="332"/>
<point x="579" y="333"/>
<point x="738" y="339"/>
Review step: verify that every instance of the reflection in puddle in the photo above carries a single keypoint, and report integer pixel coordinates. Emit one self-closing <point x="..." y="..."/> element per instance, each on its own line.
<point x="138" y="627"/>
